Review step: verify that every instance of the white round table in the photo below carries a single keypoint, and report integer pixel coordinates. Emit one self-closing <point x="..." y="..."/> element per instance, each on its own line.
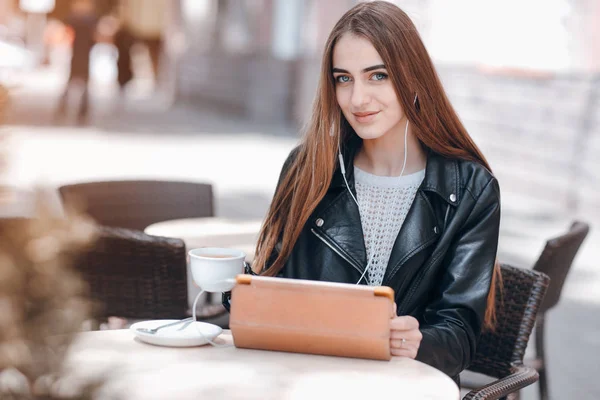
<point x="142" y="371"/>
<point x="209" y="232"/>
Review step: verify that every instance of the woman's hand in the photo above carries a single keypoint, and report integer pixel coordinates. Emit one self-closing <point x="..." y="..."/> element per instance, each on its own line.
<point x="405" y="336"/>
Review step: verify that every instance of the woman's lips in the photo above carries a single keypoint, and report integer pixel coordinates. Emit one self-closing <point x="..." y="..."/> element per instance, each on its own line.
<point x="365" y="117"/>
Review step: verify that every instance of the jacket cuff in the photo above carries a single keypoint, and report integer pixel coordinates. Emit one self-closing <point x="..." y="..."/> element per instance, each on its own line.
<point x="226" y="296"/>
<point x="438" y="350"/>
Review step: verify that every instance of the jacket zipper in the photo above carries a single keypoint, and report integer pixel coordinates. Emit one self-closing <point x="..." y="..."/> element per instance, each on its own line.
<point x="413" y="287"/>
<point x="422" y="272"/>
<point x="338" y="252"/>
<point x="418" y="280"/>
<point x="424" y="245"/>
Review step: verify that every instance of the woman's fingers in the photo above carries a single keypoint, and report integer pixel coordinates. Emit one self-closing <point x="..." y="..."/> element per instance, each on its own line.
<point x="404" y="352"/>
<point x="414" y="334"/>
<point x="404" y="323"/>
<point x="404" y="349"/>
<point x="398" y="344"/>
<point x="405" y="336"/>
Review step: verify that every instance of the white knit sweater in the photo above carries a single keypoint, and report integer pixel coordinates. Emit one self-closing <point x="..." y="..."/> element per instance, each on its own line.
<point x="384" y="202"/>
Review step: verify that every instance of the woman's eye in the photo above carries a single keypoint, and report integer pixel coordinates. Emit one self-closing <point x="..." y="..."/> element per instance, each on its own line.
<point x="342" y="79"/>
<point x="379" y="76"/>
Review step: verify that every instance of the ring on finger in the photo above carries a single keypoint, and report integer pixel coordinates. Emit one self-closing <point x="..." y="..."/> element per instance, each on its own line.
<point x="402" y="341"/>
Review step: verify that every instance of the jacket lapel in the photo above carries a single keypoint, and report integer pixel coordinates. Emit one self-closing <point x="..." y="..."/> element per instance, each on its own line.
<point x="421" y="226"/>
<point x="340" y="214"/>
<point x="418" y="230"/>
<point x="338" y="220"/>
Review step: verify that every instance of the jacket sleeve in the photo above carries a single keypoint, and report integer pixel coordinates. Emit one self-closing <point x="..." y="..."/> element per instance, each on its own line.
<point x="452" y="322"/>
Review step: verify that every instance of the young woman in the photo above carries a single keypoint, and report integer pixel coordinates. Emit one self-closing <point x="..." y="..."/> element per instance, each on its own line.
<point x="387" y="188"/>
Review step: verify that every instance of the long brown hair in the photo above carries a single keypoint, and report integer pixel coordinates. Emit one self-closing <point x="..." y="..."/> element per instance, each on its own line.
<point x="434" y="122"/>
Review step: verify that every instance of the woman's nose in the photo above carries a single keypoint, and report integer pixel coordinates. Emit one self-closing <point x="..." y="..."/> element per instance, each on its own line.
<point x="360" y="96"/>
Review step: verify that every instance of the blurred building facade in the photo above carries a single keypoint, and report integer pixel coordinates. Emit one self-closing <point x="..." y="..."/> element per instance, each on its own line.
<point x="261" y="57"/>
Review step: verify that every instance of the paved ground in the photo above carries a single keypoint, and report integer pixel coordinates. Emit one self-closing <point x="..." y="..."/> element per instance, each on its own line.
<point x="142" y="139"/>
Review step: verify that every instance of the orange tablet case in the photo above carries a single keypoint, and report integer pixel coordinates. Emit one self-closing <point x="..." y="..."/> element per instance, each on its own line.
<point x="312" y="317"/>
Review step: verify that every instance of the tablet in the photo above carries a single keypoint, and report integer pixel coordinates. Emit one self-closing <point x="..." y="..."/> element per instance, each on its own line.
<point x="313" y="317"/>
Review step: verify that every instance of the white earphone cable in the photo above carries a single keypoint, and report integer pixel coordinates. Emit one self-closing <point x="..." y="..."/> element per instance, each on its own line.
<point x="405" y="147"/>
<point x="208" y="340"/>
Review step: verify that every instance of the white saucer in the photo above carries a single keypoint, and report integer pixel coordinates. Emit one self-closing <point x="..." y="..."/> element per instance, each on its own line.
<point x="178" y="335"/>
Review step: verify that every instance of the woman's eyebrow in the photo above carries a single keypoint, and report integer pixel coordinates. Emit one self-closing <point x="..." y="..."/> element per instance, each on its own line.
<point x="371" y="68"/>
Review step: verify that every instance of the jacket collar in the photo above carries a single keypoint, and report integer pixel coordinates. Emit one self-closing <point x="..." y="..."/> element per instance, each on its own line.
<point x="442" y="177"/>
<point x="441" y="174"/>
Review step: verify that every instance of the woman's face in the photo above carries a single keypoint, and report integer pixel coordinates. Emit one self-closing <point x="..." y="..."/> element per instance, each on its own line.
<point x="363" y="89"/>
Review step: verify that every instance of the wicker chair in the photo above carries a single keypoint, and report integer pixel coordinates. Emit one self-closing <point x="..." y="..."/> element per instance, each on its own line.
<point x="500" y="352"/>
<point x="555" y="261"/>
<point x="137" y="204"/>
<point x="134" y="275"/>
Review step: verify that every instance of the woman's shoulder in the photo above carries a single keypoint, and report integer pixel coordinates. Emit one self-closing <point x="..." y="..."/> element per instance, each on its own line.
<point x="467" y="176"/>
<point x="292" y="156"/>
<point x="288" y="162"/>
<point x="475" y="178"/>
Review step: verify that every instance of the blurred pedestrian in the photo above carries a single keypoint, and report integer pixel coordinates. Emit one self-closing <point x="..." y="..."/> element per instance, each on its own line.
<point x="3" y="102"/>
<point x="114" y="30"/>
<point x="148" y="30"/>
<point x="83" y="23"/>
<point x="124" y="41"/>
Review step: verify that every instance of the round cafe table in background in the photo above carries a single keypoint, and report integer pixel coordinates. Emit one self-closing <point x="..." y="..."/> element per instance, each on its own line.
<point x="210" y="232"/>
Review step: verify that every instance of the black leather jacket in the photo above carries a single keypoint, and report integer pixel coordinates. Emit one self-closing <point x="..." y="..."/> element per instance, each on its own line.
<point x="442" y="261"/>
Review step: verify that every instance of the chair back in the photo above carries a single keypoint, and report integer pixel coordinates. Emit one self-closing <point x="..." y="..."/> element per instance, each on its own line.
<point x="556" y="260"/>
<point x="518" y="297"/>
<point x="134" y="275"/>
<point x="137" y="204"/>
